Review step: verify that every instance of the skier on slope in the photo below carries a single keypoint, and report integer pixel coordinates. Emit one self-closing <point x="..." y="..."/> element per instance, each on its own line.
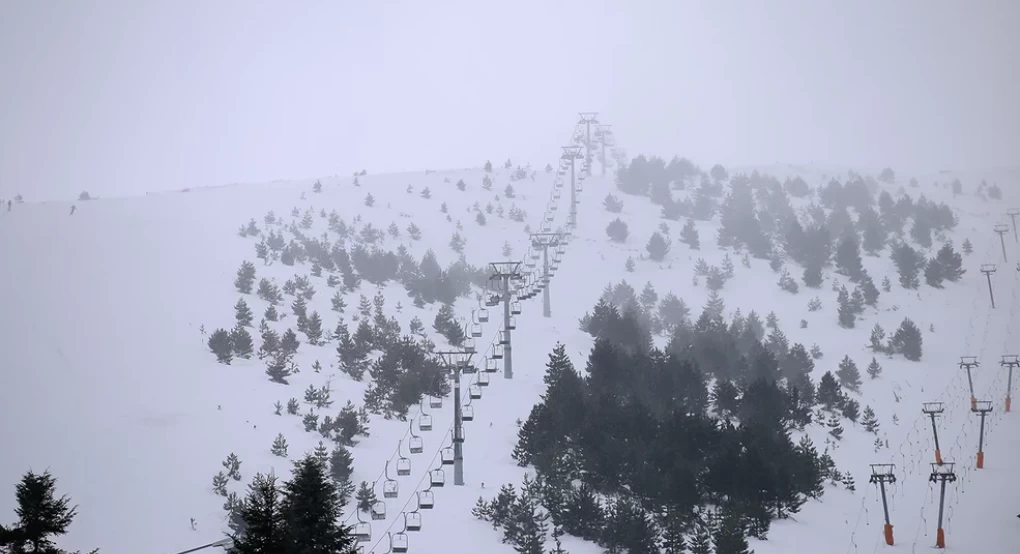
<point x="73" y="208"/>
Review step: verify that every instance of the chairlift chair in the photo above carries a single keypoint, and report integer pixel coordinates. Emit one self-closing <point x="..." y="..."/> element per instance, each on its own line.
<point x="476" y="330"/>
<point x="362" y="530"/>
<point x="412" y="520"/>
<point x="391" y="489"/>
<point x="437" y="478"/>
<point x="469" y="368"/>
<point x="403" y="464"/>
<point x="503" y="339"/>
<point x="447" y="456"/>
<point x="435" y="402"/>
<point x="379" y="510"/>
<point x="513" y="324"/>
<point x="493" y="300"/>
<point x="424" y="423"/>
<point x="426" y="498"/>
<point x="483" y="379"/>
<point x="398" y="543"/>
<point x="469" y="345"/>
<point x="475" y="391"/>
<point x="497" y="351"/>
<point x="467" y="412"/>
<point x="491" y="365"/>
<point x="483" y="315"/>
<point x="515" y="308"/>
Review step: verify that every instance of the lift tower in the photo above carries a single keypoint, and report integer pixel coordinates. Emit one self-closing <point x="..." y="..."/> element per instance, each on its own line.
<point x="1012" y="213"/>
<point x="934" y="410"/>
<point x="602" y="133"/>
<point x="571" y="154"/>
<point x="457" y="361"/>
<point x="1010" y="361"/>
<point x="505" y="273"/>
<point x="544" y="241"/>
<point x="988" y="270"/>
<point x="1001" y="229"/>
<point x="942" y="474"/>
<point x="968" y="363"/>
<point x="880" y="475"/>
<point x="588" y="119"/>
<point x="982" y="408"/>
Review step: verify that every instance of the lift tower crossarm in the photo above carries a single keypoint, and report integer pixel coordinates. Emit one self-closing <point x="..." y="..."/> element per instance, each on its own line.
<point x="588" y="119"/>
<point x="1012" y="213"/>
<point x="1001" y="229"/>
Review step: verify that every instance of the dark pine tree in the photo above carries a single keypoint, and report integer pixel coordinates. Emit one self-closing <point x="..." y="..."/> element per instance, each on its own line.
<point x="848" y="258"/>
<point x="729" y="537"/>
<point x="262" y="519"/>
<point x="41" y="516"/>
<point x="312" y="510"/>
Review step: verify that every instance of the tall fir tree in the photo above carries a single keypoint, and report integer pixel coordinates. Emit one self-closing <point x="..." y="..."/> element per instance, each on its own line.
<point x="848" y="374"/>
<point x="41" y="516"/>
<point x="263" y="524"/>
<point x="312" y="510"/>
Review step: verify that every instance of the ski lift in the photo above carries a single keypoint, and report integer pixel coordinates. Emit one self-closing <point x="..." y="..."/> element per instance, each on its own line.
<point x="447" y="456"/>
<point x="530" y="264"/>
<point x="553" y="208"/>
<point x="467" y="412"/>
<point x="556" y="194"/>
<point x="391" y="489"/>
<point x="491" y="365"/>
<point x="362" y="530"/>
<point x="483" y="379"/>
<point x="412" y="520"/>
<point x="435" y="402"/>
<point x="398" y="543"/>
<point x="437" y="477"/>
<point x="549" y="219"/>
<point x="483" y="315"/>
<point x="414" y="444"/>
<point x="469" y="368"/>
<point x="476" y="330"/>
<point x="492" y="301"/>
<point x="403" y="463"/>
<point x="512" y="324"/>
<point x="426" y="498"/>
<point x="458" y="434"/>
<point x="379" y="510"/>
<point x="497" y="351"/>
<point x="475" y="392"/>
<point x="503" y="339"/>
<point x="469" y="345"/>
<point x="424" y="419"/>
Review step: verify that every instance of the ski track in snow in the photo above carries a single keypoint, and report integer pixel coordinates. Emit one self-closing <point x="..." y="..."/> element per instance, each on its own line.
<point x="109" y="384"/>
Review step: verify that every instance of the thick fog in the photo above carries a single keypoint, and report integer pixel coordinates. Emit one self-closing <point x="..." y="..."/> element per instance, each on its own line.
<point x="122" y="96"/>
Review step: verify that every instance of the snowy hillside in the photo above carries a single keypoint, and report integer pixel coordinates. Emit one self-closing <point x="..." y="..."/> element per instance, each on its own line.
<point x="109" y="381"/>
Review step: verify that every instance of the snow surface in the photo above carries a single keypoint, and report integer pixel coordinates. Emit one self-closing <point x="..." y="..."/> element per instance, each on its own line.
<point x="108" y="382"/>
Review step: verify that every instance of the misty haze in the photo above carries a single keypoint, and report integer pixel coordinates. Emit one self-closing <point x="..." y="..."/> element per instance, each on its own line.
<point x="537" y="277"/>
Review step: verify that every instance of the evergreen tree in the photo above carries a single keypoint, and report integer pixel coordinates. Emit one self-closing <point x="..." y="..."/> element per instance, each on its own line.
<point x="312" y="510"/>
<point x="338" y="302"/>
<point x="848" y="258"/>
<point x="262" y="520"/>
<point x="835" y="428"/>
<point x="908" y="263"/>
<point x="828" y="393"/>
<point x="278" y="367"/>
<point x="617" y="230"/>
<point x="933" y="273"/>
<point x="967" y="247"/>
<point x="313" y="329"/>
<point x="907" y="340"/>
<point x="874" y="370"/>
<point x="243" y="313"/>
<point x="701" y="542"/>
<point x="245" y="278"/>
<point x="221" y="345"/>
<point x="271" y="313"/>
<point x="869" y="290"/>
<point x="729" y="537"/>
<point x="851" y="409"/>
<point x="870" y="422"/>
<point x="848" y="374"/>
<point x="847" y="314"/>
<point x="279" y="446"/>
<point x="689" y="235"/>
<point x="877" y="338"/>
<point x="657" y="247"/>
<point x="365" y="497"/>
<point x="241" y="343"/>
<point x="41" y="516"/>
<point x="950" y="262"/>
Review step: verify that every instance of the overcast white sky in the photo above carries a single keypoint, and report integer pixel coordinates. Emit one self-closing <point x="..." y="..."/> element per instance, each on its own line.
<point x="122" y="96"/>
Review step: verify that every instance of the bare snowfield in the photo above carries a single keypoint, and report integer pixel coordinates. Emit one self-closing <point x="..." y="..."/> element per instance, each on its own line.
<point x="107" y="380"/>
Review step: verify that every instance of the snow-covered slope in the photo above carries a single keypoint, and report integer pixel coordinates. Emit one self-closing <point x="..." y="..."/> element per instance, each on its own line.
<point x="107" y="380"/>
